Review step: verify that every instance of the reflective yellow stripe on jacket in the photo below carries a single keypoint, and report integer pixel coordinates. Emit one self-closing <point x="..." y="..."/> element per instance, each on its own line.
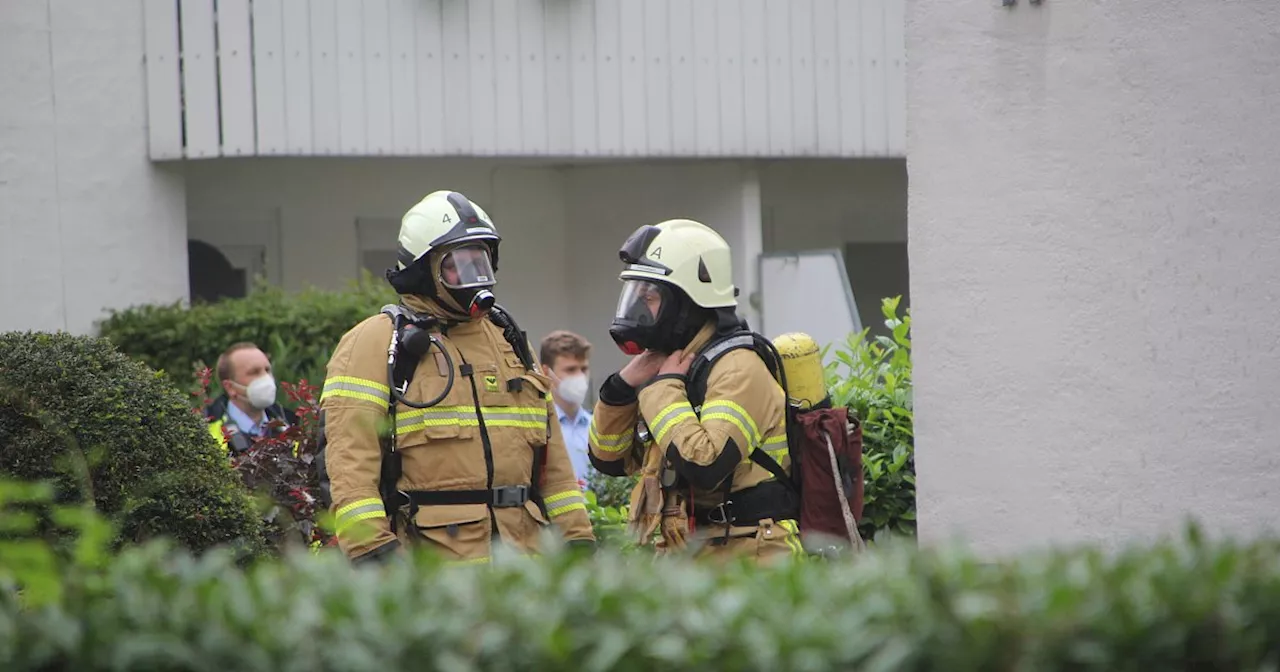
<point x="533" y="417"/>
<point x="561" y="503"/>
<point x="361" y="509"/>
<point x="351" y="387"/>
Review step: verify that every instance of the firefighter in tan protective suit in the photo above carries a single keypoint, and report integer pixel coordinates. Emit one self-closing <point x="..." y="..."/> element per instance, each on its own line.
<point x="460" y="450"/>
<point x="695" y="442"/>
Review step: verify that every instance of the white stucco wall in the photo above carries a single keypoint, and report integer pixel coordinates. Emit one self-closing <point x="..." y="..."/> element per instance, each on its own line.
<point x="562" y="225"/>
<point x="86" y="221"/>
<point x="1094" y="268"/>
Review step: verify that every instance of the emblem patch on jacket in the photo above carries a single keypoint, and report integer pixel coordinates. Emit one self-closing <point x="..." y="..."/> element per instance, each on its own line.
<point x="491" y="383"/>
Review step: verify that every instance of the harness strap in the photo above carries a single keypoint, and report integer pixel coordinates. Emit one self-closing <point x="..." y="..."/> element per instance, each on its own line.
<point x="749" y="506"/>
<point x="508" y="496"/>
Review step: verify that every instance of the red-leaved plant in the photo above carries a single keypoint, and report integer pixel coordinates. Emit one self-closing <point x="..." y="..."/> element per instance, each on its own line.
<point x="280" y="469"/>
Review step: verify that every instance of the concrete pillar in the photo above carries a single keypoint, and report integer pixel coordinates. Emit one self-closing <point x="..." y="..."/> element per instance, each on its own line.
<point x="1094" y="276"/>
<point x="87" y="222"/>
<point x="750" y="245"/>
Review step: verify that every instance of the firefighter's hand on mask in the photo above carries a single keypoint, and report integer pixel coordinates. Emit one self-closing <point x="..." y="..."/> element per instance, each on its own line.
<point x="642" y="368"/>
<point x="677" y="363"/>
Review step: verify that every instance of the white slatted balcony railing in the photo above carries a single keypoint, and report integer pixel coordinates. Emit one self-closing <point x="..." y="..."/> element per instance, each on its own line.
<point x="526" y="78"/>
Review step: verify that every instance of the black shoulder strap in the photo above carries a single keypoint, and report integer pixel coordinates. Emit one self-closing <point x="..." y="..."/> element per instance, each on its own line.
<point x="700" y="370"/>
<point x="700" y="373"/>
<point x="513" y="335"/>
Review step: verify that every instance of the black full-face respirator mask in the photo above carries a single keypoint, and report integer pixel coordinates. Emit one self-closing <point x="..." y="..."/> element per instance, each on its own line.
<point x="460" y="279"/>
<point x="654" y="316"/>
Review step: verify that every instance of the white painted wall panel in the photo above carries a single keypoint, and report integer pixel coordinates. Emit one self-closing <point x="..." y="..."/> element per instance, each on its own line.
<point x="200" y="78"/>
<point x="582" y="39"/>
<point x="730" y="71"/>
<point x="457" y="106"/>
<point x="657" y="78"/>
<point x="352" y="79"/>
<point x="778" y="15"/>
<point x="325" y="133"/>
<point x="377" y="77"/>
<point x="505" y="27"/>
<point x="164" y="83"/>
<point x="235" y="78"/>
<point x="875" y="125"/>
<point x="706" y="77"/>
<point x="632" y="52"/>
<point x="559" y="63"/>
<point x="404" y="80"/>
<point x="267" y="77"/>
<point x="804" y="94"/>
<point x="608" y="17"/>
<point x="684" y="78"/>
<point x="298" y="102"/>
<point x="429" y="46"/>
<point x="533" y="80"/>
<point x="636" y="78"/>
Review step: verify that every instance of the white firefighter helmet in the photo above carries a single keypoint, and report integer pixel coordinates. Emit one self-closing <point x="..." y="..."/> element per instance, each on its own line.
<point x="441" y="219"/>
<point x="687" y="254"/>
<point x="462" y="274"/>
<point x="676" y="272"/>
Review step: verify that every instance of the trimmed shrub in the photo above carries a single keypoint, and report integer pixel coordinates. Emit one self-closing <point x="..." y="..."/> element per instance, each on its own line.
<point x="1182" y="606"/>
<point x="873" y="377"/>
<point x="298" y="330"/>
<point x="105" y="429"/>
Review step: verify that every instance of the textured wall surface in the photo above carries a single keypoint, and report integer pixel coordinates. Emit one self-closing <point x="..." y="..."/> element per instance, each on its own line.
<point x="86" y="221"/>
<point x="1095" y="267"/>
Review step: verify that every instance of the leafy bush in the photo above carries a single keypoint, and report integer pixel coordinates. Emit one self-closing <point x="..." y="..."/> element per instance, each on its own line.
<point x="873" y="377"/>
<point x="107" y="431"/>
<point x="298" y="330"/>
<point x="1186" y="605"/>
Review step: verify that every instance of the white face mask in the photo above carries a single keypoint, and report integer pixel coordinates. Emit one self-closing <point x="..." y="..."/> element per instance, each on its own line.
<point x="573" y="389"/>
<point x="261" y="392"/>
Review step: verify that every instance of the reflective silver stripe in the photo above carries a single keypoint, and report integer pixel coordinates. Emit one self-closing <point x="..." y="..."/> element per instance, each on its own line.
<point x="378" y="508"/>
<point x="735" y="414"/>
<point x="356" y="388"/>
<point x="735" y="342"/>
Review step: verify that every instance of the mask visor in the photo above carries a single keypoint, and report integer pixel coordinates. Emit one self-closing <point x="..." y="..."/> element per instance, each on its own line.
<point x="641" y="303"/>
<point x="467" y="267"/>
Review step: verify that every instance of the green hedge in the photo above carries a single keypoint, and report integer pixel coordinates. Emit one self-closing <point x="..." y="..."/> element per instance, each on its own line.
<point x="1187" y="605"/>
<point x="873" y="377"/>
<point x="298" y="330"/>
<point x="103" y="428"/>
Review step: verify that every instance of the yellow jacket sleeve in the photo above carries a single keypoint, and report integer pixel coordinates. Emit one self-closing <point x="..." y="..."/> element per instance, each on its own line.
<point x="705" y="448"/>
<point x="354" y="403"/>
<point x="611" y="439"/>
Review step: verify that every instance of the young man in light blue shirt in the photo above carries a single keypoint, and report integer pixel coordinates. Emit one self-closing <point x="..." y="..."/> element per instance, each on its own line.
<point x="565" y="358"/>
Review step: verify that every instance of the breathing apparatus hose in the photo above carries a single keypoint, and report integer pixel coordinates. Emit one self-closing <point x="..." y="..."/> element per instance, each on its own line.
<point x="392" y="353"/>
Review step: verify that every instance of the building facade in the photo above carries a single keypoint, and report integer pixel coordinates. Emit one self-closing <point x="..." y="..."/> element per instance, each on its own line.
<point x="285" y="138"/>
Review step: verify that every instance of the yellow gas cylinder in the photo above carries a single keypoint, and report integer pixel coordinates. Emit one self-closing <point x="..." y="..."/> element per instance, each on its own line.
<point x="802" y="362"/>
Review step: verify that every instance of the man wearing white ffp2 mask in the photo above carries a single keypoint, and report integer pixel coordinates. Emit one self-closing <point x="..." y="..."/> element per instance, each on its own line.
<point x="247" y="407"/>
<point x="565" y="358"/>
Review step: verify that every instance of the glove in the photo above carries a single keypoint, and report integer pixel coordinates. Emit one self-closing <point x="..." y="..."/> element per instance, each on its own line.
<point x="645" y="508"/>
<point x="675" y="522"/>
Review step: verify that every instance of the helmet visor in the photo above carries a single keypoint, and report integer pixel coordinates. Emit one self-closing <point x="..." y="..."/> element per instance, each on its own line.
<point x="467" y="266"/>
<point x="641" y="302"/>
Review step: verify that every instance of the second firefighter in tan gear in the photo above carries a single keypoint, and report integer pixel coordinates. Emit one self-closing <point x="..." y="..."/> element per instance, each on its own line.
<point x="467" y="463"/>
<point x="697" y="483"/>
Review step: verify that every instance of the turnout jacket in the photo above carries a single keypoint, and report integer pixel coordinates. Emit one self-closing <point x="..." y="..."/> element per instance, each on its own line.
<point x="441" y="446"/>
<point x="744" y="408"/>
